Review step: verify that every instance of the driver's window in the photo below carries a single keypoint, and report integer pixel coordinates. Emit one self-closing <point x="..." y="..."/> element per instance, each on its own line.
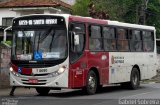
<point x="76" y="50"/>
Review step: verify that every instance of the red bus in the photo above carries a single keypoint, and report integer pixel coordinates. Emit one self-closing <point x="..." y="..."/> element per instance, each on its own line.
<point x="64" y="51"/>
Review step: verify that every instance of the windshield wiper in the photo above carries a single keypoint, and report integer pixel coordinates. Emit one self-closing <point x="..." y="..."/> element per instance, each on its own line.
<point x="38" y="42"/>
<point x="52" y="41"/>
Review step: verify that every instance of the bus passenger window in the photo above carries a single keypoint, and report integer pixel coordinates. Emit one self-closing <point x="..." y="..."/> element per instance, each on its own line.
<point x="95" y="39"/>
<point x="136" y="41"/>
<point x="109" y="39"/>
<point x="148" y="42"/>
<point x="122" y="42"/>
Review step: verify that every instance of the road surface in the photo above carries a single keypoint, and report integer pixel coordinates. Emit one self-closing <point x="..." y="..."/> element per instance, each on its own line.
<point x="147" y="94"/>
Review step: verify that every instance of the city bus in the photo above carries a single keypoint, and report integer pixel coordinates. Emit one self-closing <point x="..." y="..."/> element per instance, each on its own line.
<point x="58" y="51"/>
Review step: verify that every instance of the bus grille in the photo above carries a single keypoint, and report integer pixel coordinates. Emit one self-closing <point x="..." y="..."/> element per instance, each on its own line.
<point x="34" y="83"/>
<point x="35" y="74"/>
<point x="39" y="82"/>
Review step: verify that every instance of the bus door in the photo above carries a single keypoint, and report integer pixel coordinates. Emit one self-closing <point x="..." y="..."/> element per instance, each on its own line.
<point x="148" y="48"/>
<point x="77" y="54"/>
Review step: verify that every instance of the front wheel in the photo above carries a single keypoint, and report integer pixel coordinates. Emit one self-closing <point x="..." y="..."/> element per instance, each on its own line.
<point x="42" y="91"/>
<point x="91" y="83"/>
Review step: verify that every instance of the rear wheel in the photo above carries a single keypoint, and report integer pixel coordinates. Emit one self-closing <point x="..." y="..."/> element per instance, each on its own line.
<point x="42" y="91"/>
<point x="91" y="83"/>
<point x="134" y="79"/>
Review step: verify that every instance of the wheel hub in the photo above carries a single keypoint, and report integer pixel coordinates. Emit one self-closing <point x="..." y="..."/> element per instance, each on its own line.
<point x="135" y="79"/>
<point x="92" y="82"/>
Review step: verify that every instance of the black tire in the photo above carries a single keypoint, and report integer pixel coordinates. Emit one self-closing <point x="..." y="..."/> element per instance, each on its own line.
<point x="99" y="88"/>
<point x="91" y="83"/>
<point x="134" y="79"/>
<point x="42" y="90"/>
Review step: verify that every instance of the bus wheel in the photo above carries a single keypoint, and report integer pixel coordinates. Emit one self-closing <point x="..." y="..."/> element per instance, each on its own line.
<point x="99" y="88"/>
<point x="134" y="79"/>
<point x="42" y="90"/>
<point x="91" y="84"/>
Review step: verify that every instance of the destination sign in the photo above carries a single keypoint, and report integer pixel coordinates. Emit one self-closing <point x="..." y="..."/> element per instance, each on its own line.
<point x="38" y="21"/>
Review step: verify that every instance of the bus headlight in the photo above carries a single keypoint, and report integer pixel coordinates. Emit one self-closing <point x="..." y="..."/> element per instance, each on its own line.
<point x="11" y="69"/>
<point x="61" y="70"/>
<point x="58" y="72"/>
<point x="13" y="72"/>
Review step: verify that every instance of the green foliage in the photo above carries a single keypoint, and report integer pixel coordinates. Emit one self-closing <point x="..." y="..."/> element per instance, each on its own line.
<point x="153" y="15"/>
<point x="80" y="8"/>
<point x="7" y="42"/>
<point x="123" y="10"/>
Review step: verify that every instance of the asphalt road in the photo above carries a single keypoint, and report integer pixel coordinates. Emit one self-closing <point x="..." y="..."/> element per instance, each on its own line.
<point x="147" y="94"/>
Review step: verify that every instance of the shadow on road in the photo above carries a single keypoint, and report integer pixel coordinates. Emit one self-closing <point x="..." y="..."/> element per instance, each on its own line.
<point x="76" y="93"/>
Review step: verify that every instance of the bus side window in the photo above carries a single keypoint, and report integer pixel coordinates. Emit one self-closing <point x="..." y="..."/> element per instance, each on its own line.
<point x="77" y="50"/>
<point x="122" y="42"/>
<point x="148" y="41"/>
<point x="136" y="41"/>
<point x="109" y="39"/>
<point x="95" y="39"/>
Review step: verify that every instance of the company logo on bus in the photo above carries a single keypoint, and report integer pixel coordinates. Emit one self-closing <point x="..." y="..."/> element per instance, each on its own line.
<point x="117" y="59"/>
<point x="112" y="60"/>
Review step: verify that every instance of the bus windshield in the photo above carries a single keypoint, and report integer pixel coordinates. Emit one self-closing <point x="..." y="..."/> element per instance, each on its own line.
<point x="39" y="44"/>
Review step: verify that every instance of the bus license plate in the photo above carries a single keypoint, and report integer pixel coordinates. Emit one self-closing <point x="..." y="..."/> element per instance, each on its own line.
<point x="33" y="81"/>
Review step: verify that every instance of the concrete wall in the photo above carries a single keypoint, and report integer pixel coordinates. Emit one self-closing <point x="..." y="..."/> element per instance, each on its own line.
<point x="5" y="12"/>
<point x="158" y="60"/>
<point x="4" y="66"/>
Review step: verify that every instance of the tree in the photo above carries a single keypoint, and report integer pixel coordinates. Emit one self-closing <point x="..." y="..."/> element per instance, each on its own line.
<point x="81" y="8"/>
<point x="153" y="15"/>
<point x="87" y="8"/>
<point x="129" y="11"/>
<point x="96" y="14"/>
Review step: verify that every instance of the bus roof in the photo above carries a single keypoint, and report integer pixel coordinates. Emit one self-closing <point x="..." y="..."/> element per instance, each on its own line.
<point x="129" y="25"/>
<point x="99" y="21"/>
<point x="110" y="22"/>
